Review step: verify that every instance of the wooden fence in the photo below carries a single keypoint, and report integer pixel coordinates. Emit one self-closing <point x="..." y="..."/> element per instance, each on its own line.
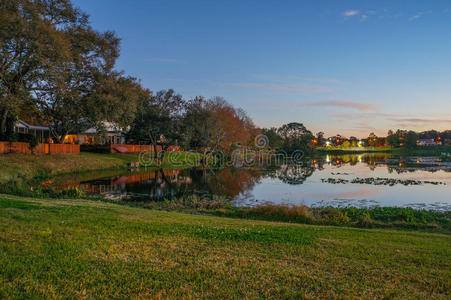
<point x="64" y="149"/>
<point x="20" y="147"/>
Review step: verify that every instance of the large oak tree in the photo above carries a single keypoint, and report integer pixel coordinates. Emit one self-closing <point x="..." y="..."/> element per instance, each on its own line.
<point x="51" y="58"/>
<point x="158" y="119"/>
<point x="33" y="48"/>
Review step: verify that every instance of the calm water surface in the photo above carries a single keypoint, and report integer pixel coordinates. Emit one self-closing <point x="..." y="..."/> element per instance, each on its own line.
<point x="301" y="184"/>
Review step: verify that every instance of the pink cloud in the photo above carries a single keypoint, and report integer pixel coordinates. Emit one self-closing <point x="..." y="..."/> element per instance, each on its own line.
<point x="303" y="88"/>
<point x="361" y="106"/>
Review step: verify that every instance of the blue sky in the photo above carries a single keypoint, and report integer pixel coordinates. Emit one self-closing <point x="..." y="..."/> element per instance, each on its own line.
<point x="348" y="67"/>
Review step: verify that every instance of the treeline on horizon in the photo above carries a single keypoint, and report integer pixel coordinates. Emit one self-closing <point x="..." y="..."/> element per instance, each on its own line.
<point x="59" y="71"/>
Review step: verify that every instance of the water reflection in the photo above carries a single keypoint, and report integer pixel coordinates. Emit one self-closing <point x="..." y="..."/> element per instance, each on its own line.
<point x="293" y="174"/>
<point x="295" y="184"/>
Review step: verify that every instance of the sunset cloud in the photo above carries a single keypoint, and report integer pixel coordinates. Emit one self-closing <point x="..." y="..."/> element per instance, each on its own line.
<point x="360" y="106"/>
<point x="303" y="88"/>
<point x="422" y="122"/>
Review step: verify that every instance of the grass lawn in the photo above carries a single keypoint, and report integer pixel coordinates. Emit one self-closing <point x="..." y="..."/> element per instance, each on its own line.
<point x="80" y="248"/>
<point x="13" y="166"/>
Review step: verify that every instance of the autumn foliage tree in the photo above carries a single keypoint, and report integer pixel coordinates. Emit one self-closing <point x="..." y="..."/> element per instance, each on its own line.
<point x="232" y="125"/>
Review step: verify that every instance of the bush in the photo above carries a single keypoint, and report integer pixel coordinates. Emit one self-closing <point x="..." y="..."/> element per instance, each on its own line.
<point x="286" y="213"/>
<point x="95" y="148"/>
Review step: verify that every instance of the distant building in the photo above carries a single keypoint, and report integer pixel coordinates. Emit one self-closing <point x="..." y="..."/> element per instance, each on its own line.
<point x="42" y="133"/>
<point x="426" y="142"/>
<point x="112" y="134"/>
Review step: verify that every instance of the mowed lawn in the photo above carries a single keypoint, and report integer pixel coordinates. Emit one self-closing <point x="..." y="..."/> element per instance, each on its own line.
<point x="80" y="248"/>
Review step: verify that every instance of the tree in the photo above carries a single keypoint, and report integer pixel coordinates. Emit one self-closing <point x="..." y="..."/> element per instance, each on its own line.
<point x="321" y="141"/>
<point x="53" y="59"/>
<point x="85" y="91"/>
<point x="114" y="99"/>
<point x="346" y="144"/>
<point x="411" y="139"/>
<point x="34" y="46"/>
<point x="296" y="136"/>
<point x="431" y="134"/>
<point x="372" y="140"/>
<point x="159" y="119"/>
<point x="274" y="139"/>
<point x="337" y="139"/>
<point x="233" y="126"/>
<point x="199" y="123"/>
<point x="393" y="139"/>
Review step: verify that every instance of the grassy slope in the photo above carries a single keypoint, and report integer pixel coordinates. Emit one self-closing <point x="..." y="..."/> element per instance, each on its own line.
<point x="13" y="166"/>
<point x="78" y="248"/>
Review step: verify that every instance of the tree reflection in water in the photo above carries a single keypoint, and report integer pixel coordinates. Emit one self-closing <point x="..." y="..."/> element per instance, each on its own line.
<point x="230" y="183"/>
<point x="209" y="183"/>
<point x="293" y="173"/>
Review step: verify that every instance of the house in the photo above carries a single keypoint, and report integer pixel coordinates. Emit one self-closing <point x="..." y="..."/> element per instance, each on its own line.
<point x="42" y="133"/>
<point x="111" y="134"/>
<point x="426" y="142"/>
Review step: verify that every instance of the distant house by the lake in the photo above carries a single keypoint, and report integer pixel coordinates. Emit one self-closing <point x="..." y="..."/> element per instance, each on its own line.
<point x="428" y="142"/>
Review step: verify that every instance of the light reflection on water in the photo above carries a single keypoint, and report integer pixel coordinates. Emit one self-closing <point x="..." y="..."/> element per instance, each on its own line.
<point x="285" y="184"/>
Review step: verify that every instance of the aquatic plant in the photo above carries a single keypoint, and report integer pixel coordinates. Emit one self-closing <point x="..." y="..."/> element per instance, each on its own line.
<point x="191" y="202"/>
<point x="380" y="181"/>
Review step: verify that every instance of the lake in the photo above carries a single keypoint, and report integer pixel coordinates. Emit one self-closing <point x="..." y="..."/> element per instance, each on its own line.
<point x="421" y="182"/>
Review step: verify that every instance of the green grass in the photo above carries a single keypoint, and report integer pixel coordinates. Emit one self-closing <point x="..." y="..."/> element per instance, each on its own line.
<point x="181" y="160"/>
<point x="87" y="249"/>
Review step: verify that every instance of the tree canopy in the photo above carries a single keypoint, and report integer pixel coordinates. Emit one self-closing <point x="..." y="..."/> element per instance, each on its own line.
<point x="54" y="61"/>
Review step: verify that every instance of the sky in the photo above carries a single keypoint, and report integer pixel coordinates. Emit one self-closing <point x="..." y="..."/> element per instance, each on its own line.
<point x="347" y="67"/>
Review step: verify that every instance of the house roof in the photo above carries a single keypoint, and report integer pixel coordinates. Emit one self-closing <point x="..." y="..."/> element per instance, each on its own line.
<point x="24" y="124"/>
<point x="109" y="127"/>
